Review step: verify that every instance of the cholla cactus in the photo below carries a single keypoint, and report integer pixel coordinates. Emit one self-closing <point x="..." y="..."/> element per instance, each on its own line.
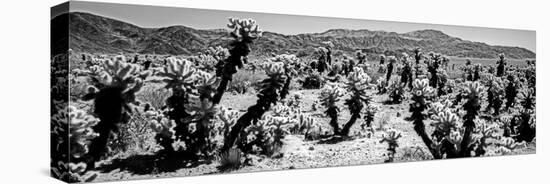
<point x="228" y="118"/>
<point x="370" y="112"/>
<point x="442" y="83"/>
<point x="213" y="58"/>
<point x="113" y="91"/>
<point x="244" y="32"/>
<point x="473" y="92"/>
<point x="71" y="129"/>
<point x="295" y="101"/>
<point x="381" y="85"/>
<point x="506" y="145"/>
<point x="291" y="66"/>
<point x="528" y="99"/>
<point x="396" y="91"/>
<point x="495" y="94"/>
<point x="330" y="95"/>
<point x="445" y="121"/>
<point x="307" y="125"/>
<point x="163" y="126"/>
<point x="421" y="92"/>
<point x="417" y="55"/>
<point x="219" y="53"/>
<point x="391" y="61"/>
<point x="483" y="132"/>
<point x="511" y="91"/>
<point x="265" y="137"/>
<point x="73" y="173"/>
<point x="277" y="72"/>
<point x="391" y="136"/>
<point x="357" y="84"/>
<point x="244" y="29"/>
<point x="501" y="65"/>
<point x="178" y="76"/>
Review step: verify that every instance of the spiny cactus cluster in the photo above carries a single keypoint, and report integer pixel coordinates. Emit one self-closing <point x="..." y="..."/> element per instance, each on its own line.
<point x="278" y="70"/>
<point x="396" y="91"/>
<point x="501" y="65"/>
<point x="265" y="137"/>
<point x="495" y="94"/>
<point x="330" y="95"/>
<point x="391" y="136"/>
<point x="208" y="61"/>
<point x="113" y="92"/>
<point x="72" y="131"/>
<point x="511" y="91"/>
<point x="421" y="93"/>
<point x="356" y="84"/>
<point x="244" y="32"/>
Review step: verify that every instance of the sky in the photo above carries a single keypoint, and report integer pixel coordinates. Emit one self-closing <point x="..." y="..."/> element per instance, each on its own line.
<point x="157" y="16"/>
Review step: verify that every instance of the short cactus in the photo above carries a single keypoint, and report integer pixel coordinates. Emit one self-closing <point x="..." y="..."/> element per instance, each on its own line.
<point x="330" y="95"/>
<point x="391" y="136"/>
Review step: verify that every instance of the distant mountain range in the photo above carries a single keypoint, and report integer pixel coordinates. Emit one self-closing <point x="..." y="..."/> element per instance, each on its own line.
<point x="97" y="34"/>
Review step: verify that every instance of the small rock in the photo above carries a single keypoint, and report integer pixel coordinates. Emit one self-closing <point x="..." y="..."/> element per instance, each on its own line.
<point x="311" y="148"/>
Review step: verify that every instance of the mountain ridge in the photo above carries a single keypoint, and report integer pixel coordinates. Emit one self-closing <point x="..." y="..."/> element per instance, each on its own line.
<point x="98" y="34"/>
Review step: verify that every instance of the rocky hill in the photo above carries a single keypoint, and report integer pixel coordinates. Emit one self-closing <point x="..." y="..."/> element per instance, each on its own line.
<point x="97" y="34"/>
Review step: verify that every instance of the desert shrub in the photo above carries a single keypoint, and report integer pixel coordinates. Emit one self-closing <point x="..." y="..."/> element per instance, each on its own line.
<point x="136" y="136"/>
<point x="244" y="82"/>
<point x="154" y="96"/>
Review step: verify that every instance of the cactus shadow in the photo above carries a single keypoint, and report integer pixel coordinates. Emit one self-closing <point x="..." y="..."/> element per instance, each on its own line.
<point x="334" y="139"/>
<point x="148" y="164"/>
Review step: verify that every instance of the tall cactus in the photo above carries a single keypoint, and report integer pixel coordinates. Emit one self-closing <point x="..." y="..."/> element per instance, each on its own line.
<point x="417" y="55"/>
<point x="357" y="84"/>
<point x="421" y="93"/>
<point x="511" y="91"/>
<point x="178" y="77"/>
<point x="473" y="92"/>
<point x="501" y="65"/>
<point x="276" y="70"/>
<point x="244" y="32"/>
<point x="114" y="93"/>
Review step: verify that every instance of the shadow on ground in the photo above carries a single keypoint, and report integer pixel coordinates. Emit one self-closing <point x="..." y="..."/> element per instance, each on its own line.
<point x="147" y="164"/>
